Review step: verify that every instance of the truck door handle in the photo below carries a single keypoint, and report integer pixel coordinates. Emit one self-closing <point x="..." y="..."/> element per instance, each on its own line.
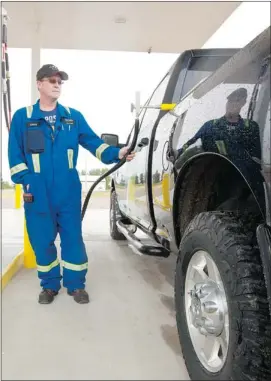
<point x="143" y="142"/>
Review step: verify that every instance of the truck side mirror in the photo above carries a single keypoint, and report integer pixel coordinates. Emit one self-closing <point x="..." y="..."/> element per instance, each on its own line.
<point x="110" y="139"/>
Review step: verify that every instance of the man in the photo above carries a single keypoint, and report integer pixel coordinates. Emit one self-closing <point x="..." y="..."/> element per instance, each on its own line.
<point x="43" y="148"/>
<point x="230" y="135"/>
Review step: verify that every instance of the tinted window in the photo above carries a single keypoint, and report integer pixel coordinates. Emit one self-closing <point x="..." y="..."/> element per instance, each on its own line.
<point x="199" y="69"/>
<point x="150" y="115"/>
<point x="156" y="100"/>
<point x="212" y="104"/>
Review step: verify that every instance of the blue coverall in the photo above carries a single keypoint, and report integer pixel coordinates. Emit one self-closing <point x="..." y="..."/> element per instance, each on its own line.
<point x="44" y="158"/>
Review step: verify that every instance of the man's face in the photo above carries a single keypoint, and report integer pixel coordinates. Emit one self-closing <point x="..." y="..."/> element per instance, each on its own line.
<point x="233" y="107"/>
<point x="50" y="87"/>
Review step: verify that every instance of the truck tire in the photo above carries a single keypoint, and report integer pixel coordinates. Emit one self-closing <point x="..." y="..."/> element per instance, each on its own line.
<point x="222" y="312"/>
<point x="114" y="213"/>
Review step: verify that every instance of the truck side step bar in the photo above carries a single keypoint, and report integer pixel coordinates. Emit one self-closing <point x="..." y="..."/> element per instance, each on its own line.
<point x="146" y="247"/>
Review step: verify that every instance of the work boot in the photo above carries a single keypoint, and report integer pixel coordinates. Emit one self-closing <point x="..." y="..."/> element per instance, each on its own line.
<point x="80" y="296"/>
<point x="47" y="296"/>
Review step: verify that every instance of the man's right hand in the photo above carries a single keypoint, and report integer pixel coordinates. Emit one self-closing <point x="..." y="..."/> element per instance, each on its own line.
<point x="123" y="152"/>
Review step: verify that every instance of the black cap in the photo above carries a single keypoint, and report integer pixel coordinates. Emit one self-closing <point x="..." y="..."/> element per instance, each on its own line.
<point x="50" y="70"/>
<point x="238" y="95"/>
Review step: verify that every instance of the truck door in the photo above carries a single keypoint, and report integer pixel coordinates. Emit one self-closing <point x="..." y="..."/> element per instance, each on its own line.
<point x="137" y="191"/>
<point x="199" y="67"/>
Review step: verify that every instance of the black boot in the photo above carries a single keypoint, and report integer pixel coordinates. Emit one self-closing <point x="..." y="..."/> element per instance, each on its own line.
<point x="80" y="296"/>
<point x="47" y="296"/>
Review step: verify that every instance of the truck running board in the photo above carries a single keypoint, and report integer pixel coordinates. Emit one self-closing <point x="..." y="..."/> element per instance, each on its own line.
<point x="146" y="247"/>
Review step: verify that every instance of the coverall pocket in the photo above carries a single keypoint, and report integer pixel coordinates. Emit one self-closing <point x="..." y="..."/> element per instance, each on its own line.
<point x="40" y="199"/>
<point x="35" y="141"/>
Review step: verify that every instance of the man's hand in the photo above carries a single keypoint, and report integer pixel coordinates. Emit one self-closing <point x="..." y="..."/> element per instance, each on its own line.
<point x="123" y="152"/>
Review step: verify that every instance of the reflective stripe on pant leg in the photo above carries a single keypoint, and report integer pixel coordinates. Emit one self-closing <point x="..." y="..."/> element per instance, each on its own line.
<point x="72" y="266"/>
<point x="49" y="267"/>
<point x="73" y="251"/>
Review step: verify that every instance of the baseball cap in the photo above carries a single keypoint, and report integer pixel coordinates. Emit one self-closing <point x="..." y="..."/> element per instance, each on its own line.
<point x="50" y="70"/>
<point x="238" y="95"/>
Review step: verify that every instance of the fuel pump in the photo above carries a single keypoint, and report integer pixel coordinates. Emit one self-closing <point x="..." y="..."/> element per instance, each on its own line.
<point x="5" y="71"/>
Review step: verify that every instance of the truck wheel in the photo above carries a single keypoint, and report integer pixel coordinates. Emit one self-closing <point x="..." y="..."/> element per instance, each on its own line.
<point x="114" y="214"/>
<point x="222" y="311"/>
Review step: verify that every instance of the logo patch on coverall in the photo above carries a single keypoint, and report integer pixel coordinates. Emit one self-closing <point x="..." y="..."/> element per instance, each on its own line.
<point x="33" y="124"/>
<point x="68" y="121"/>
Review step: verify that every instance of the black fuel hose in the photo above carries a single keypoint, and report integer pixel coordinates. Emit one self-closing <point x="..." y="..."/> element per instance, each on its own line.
<point x="113" y="169"/>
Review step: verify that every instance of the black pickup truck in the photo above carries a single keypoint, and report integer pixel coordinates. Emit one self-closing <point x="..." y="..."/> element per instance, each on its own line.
<point x="200" y="188"/>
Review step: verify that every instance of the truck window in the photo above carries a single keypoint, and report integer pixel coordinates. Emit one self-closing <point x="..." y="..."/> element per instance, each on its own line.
<point x="199" y="69"/>
<point x="211" y="105"/>
<point x="148" y="116"/>
<point x="151" y="115"/>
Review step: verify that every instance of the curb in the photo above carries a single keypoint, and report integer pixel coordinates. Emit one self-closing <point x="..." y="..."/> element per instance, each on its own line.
<point x="12" y="269"/>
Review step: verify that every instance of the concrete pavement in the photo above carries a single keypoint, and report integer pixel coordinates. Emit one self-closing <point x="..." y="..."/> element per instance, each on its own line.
<point x="12" y="233"/>
<point x="128" y="331"/>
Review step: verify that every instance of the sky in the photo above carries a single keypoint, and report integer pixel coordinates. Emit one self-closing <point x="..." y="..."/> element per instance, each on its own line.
<point x="102" y="84"/>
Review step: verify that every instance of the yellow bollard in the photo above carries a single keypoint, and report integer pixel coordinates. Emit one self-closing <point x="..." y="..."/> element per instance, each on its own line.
<point x="29" y="255"/>
<point x="17" y="196"/>
<point x="165" y="190"/>
<point x="131" y="189"/>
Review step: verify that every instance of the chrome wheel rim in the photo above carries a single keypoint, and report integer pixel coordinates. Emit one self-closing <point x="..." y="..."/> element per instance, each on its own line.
<point x="206" y="311"/>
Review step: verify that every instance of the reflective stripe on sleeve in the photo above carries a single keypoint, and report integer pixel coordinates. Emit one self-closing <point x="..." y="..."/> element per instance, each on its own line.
<point x="100" y="150"/>
<point x="71" y="266"/>
<point x="45" y="269"/>
<point x="36" y="162"/>
<point x="18" y="168"/>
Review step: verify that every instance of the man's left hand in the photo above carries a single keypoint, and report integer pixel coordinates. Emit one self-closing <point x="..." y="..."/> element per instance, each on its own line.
<point x="123" y="152"/>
